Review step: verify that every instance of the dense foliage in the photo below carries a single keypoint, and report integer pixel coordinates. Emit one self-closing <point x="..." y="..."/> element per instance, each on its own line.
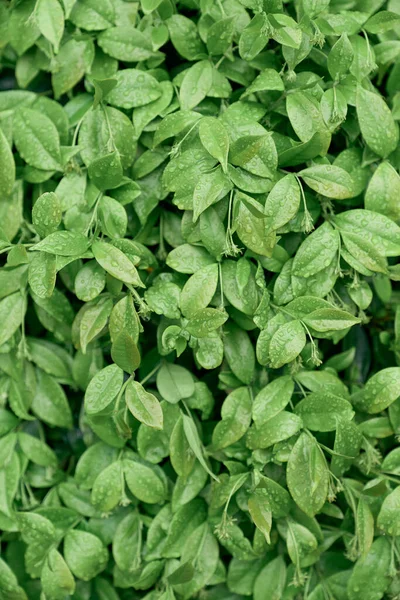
<point x="199" y="331"/>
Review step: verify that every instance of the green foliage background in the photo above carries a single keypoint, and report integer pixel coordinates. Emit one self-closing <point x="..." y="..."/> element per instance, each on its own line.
<point x="199" y="322"/>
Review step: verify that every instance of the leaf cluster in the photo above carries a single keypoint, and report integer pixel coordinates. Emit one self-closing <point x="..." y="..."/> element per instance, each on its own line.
<point x="199" y="320"/>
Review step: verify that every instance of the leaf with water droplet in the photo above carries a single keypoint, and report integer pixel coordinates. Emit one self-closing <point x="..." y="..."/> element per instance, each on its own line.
<point x="308" y="475"/>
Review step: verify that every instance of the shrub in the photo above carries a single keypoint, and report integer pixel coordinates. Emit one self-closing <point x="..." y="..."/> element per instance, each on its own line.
<point x="199" y="339"/>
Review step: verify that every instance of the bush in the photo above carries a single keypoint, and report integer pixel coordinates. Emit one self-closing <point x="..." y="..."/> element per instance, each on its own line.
<point x="199" y="338"/>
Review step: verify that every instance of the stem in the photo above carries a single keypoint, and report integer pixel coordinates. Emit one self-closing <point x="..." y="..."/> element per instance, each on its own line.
<point x="149" y="375"/>
<point x="176" y="148"/>
<point x="94" y="213"/>
<point x="77" y="128"/>
<point x="161" y="251"/>
<point x="221" y="284"/>
<point x="111" y="140"/>
<point x="308" y="223"/>
<point x="143" y="308"/>
<point x="120" y="394"/>
<point x="221" y="8"/>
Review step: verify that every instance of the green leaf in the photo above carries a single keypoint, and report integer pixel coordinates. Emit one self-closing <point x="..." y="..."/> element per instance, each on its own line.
<point x="371" y="572"/>
<point x="215" y="139"/>
<point x="181" y="455"/>
<point x="308" y="475"/>
<point x="101" y="88"/>
<point x="196" y="84"/>
<point x="321" y="411"/>
<point x="272" y="399"/>
<point x="107" y="489"/>
<point x="277" y="429"/>
<point x="92" y="463"/>
<point x="192" y="436"/>
<point x="125" y="353"/>
<point x="37" y="451"/>
<point x="330" y="319"/>
<point x="103" y="389"/>
<point x="174" y="124"/>
<point x="219" y="36"/>
<point x="91" y="15"/>
<point x="316" y="252"/>
<point x="333" y="108"/>
<point x="363" y="254"/>
<point x="124" y="318"/>
<point x="252" y="226"/>
<point x="268" y="79"/>
<point x="185" y="37"/>
<point x="37" y="139"/>
<point x="282" y="202"/>
<point x="210" y="188"/>
<point x="383" y="191"/>
<point x="340" y="57"/>
<point x="305" y="116"/>
<point x="125" y="43"/>
<point x="254" y="37"/>
<point x="116" y="263"/>
<point x="313" y="8"/>
<point x="7" y="168"/>
<point x="93" y="321"/>
<point x="364" y="527"/>
<point x="271" y="580"/>
<point x="134" y="88"/>
<point x="144" y="482"/>
<point x="286" y="343"/>
<point x="46" y="214"/>
<point x="328" y="180"/>
<point x="144" y="406"/>
<point x="12" y="314"/>
<point x="106" y="171"/>
<point x="85" y="554"/>
<point x="174" y="382"/>
<point x="256" y="154"/>
<point x="378" y="128"/>
<point x="50" y="403"/>
<point x="50" y="20"/>
<point x="376" y="229"/>
<point x="300" y="542"/>
<point x="188" y="259"/>
<point x="72" y="62"/>
<point x="236" y="416"/>
<point x="383" y="21"/>
<point x="199" y="290"/>
<point x="388" y="518"/>
<point x="182" y="524"/>
<point x="22" y="30"/>
<point x="206" y="321"/>
<point x="36" y="529"/>
<point x="347" y="446"/>
<point x="56" y="578"/>
<point x="63" y="243"/>
<point x="260" y="512"/>
<point x="89" y="281"/>
<point x="379" y="391"/>
<point x="126" y="542"/>
<point x="239" y="353"/>
<point x="42" y="274"/>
